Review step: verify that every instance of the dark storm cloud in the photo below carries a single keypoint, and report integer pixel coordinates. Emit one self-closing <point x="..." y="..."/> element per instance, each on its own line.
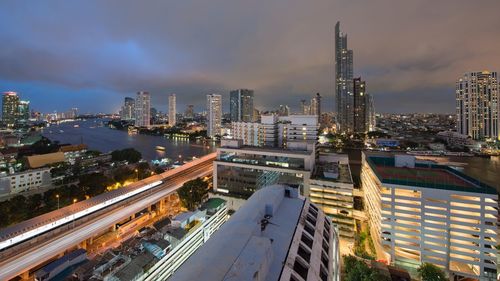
<point x="405" y="50"/>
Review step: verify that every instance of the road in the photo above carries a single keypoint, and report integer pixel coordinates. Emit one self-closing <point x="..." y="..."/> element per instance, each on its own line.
<point x="21" y="262"/>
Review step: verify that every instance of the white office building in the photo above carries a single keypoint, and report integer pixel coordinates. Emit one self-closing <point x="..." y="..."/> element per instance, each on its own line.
<point x="276" y="236"/>
<point x="477" y="105"/>
<point x="24" y="181"/>
<point x="422" y="212"/>
<point x="214" y="115"/>
<point x="143" y="109"/>
<point x="172" y="110"/>
<point x="241" y="170"/>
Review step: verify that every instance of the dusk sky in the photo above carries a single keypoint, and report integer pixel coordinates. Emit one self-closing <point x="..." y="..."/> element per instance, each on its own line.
<point x="91" y="54"/>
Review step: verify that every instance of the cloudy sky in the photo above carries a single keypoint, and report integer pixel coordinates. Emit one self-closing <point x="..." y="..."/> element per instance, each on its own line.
<point x="91" y="54"/>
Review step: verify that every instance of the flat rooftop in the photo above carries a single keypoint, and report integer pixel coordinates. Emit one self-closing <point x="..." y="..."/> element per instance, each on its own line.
<point x="342" y="170"/>
<point x="280" y="150"/>
<point x="425" y="175"/>
<point x="240" y="248"/>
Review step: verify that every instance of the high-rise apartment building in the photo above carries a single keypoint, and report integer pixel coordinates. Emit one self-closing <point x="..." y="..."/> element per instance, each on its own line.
<point x="422" y="212"/>
<point x="241" y="105"/>
<point x="316" y="106"/>
<point x="360" y="106"/>
<point x="277" y="235"/>
<point x="143" y="109"/>
<point x="283" y="110"/>
<point x="189" y="113"/>
<point x="23" y="111"/>
<point x="214" y="115"/>
<point x="172" y="110"/>
<point x="10" y="108"/>
<point x="372" y="121"/>
<point x="477" y="105"/>
<point x="128" y="109"/>
<point x="343" y="81"/>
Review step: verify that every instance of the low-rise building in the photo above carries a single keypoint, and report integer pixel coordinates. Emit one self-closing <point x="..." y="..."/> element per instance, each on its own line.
<point x="40" y="160"/>
<point x="276" y="235"/>
<point x="73" y="152"/>
<point x="24" y="181"/>
<point x="422" y="212"/>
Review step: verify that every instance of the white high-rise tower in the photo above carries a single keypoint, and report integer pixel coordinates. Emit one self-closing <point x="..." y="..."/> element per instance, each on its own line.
<point x="172" y="111"/>
<point x="214" y="110"/>
<point x="143" y="109"/>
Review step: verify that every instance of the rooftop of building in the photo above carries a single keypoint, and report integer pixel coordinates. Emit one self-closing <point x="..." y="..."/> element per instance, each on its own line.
<point x="73" y="147"/>
<point x="269" y="149"/>
<point x="332" y="171"/>
<point x="425" y="174"/>
<point x="249" y="242"/>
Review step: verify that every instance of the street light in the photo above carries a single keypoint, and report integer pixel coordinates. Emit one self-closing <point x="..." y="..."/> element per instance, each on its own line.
<point x="57" y="196"/>
<point x="136" y="174"/>
<point x="74" y="201"/>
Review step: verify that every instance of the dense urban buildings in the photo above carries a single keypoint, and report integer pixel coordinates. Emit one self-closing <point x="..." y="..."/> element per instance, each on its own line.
<point x="343" y="81"/>
<point x="172" y="110"/>
<point x="241" y="105"/>
<point x="214" y="115"/>
<point x="127" y="111"/>
<point x="477" y="105"/>
<point x="143" y="109"/>
<point x="423" y="212"/>
<point x="276" y="235"/>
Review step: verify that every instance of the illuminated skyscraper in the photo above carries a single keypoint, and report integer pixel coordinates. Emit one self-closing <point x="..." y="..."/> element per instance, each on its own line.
<point x="343" y="82"/>
<point x="10" y="108"/>
<point x="214" y="109"/>
<point x="23" y="111"/>
<point x="477" y="105"/>
<point x="128" y="109"/>
<point x="172" y="110"/>
<point x="143" y="109"/>
<point x="316" y="106"/>
<point x="241" y="105"/>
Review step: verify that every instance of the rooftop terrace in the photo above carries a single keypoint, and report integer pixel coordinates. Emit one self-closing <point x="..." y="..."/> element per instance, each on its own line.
<point x="425" y="175"/>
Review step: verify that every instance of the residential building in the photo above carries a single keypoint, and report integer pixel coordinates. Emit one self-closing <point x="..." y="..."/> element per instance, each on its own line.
<point x="143" y="109"/>
<point x="284" y="110"/>
<point x="214" y="116"/>
<point x="422" y="212"/>
<point x="24" y="181"/>
<point x="343" y="82"/>
<point x="241" y="105"/>
<point x="360" y="106"/>
<point x="248" y="132"/>
<point x="128" y="109"/>
<point x="23" y="111"/>
<point x="305" y="109"/>
<point x="372" y="121"/>
<point x="10" y="108"/>
<point x="172" y="110"/>
<point x="241" y="170"/>
<point x="189" y="113"/>
<point x="316" y="106"/>
<point x="293" y="128"/>
<point x="454" y="139"/>
<point x="477" y="105"/>
<point x="331" y="189"/>
<point x="277" y="235"/>
<point x="73" y="152"/>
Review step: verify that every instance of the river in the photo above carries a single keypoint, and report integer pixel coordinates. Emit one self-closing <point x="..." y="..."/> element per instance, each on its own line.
<point x="104" y="139"/>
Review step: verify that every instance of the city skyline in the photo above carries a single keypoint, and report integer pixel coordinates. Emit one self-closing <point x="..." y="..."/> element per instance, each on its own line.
<point x="117" y="61"/>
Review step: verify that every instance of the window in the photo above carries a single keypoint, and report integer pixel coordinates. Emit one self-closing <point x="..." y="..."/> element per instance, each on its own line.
<point x="308" y="241"/>
<point x="309" y="229"/>
<point x="311" y="219"/>
<point x="323" y="274"/>
<point x="300" y="268"/>
<point x="324" y="259"/>
<point x="304" y="253"/>
<point x="325" y="246"/>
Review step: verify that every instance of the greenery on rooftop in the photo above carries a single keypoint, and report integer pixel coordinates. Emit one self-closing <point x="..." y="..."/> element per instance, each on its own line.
<point x="357" y="270"/>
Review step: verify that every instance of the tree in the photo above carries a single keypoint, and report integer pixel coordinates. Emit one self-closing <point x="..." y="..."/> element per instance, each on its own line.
<point x="430" y="272"/>
<point x="129" y="154"/>
<point x="358" y="270"/>
<point x="192" y="193"/>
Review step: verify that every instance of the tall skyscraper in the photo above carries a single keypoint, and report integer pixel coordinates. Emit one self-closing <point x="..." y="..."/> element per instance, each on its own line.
<point x="316" y="106"/>
<point x="143" y="109"/>
<point x="214" y="109"/>
<point x="241" y="105"/>
<point x="372" y="122"/>
<point x="477" y="105"/>
<point x="360" y="118"/>
<point x="172" y="110"/>
<point x="23" y="111"/>
<point x="343" y="81"/>
<point x="128" y="109"/>
<point x="10" y="108"/>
